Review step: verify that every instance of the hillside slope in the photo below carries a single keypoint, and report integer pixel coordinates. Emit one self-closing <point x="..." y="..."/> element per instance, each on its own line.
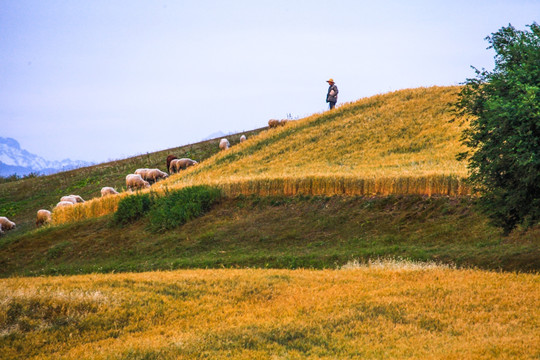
<point x="401" y="135"/>
<point x="279" y="232"/>
<point x="356" y="147"/>
<point x="20" y="200"/>
<point x="400" y="143"/>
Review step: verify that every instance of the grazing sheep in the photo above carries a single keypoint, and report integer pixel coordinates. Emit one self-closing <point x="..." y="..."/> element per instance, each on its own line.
<point x="6" y="223"/>
<point x="72" y="198"/>
<point x="243" y="138"/>
<point x="107" y="190"/>
<point x="136" y="181"/>
<point x="154" y="175"/>
<point x="224" y="144"/>
<point x="141" y="172"/>
<point x="43" y="217"/>
<point x="181" y="164"/>
<point x="169" y="159"/>
<point x="68" y="198"/>
<point x="272" y="123"/>
<point x="64" y="203"/>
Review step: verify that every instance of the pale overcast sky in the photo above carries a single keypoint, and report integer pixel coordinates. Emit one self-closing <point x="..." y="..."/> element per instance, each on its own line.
<point x="106" y="79"/>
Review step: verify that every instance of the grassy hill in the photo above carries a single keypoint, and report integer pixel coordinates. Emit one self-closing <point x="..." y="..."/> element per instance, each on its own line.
<point x="404" y="134"/>
<point x="347" y="192"/>
<point x="401" y="145"/>
<point x="398" y="143"/>
<point x="20" y="200"/>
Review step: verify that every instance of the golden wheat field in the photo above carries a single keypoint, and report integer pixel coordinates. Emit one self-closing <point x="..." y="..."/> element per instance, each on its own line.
<point x="383" y="310"/>
<point x="403" y="142"/>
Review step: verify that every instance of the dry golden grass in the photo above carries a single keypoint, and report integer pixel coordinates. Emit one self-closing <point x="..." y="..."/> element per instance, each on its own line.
<point x="402" y="137"/>
<point x="383" y="310"/>
<point x="398" y="143"/>
<point x="405" y="133"/>
<point x="93" y="208"/>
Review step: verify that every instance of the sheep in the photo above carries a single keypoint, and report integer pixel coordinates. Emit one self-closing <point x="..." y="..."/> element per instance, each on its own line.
<point x="154" y="175"/>
<point x="224" y="144"/>
<point x="141" y="172"/>
<point x="107" y="190"/>
<point x="181" y="164"/>
<point x="169" y="159"/>
<point x="72" y="198"/>
<point x="136" y="181"/>
<point x="272" y="123"/>
<point x="243" y="138"/>
<point x="6" y="224"/>
<point x="68" y="199"/>
<point x="64" y="204"/>
<point x="43" y="217"/>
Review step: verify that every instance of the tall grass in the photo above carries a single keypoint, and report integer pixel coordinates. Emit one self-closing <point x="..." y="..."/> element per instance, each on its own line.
<point x="387" y="310"/>
<point x="403" y="142"/>
<point x="399" y="143"/>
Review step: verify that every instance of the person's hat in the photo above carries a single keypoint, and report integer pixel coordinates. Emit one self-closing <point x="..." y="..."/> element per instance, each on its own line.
<point x="330" y="80"/>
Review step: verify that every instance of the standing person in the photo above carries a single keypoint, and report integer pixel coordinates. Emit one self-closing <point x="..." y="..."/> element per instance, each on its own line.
<point x="331" y="97"/>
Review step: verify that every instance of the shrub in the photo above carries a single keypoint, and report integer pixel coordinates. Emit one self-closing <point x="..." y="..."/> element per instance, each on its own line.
<point x="132" y="208"/>
<point x="178" y="207"/>
<point x="504" y="134"/>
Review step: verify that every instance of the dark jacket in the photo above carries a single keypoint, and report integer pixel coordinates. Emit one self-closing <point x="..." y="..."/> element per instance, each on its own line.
<point x="332" y="97"/>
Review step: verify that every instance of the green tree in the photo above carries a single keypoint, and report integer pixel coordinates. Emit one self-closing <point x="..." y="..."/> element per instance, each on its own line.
<point x="504" y="134"/>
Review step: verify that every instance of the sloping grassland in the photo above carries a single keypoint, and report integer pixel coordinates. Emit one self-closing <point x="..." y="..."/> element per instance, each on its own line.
<point x="281" y="208"/>
<point x="399" y="143"/>
<point x="20" y="200"/>
<point x="404" y="134"/>
<point x="298" y="198"/>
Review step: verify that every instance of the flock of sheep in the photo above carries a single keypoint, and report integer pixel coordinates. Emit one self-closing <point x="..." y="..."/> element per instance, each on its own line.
<point x="140" y="179"/>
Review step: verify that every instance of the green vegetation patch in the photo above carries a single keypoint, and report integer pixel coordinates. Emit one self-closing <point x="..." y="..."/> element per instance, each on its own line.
<point x="275" y="232"/>
<point x="132" y="208"/>
<point x="166" y="212"/>
<point x="178" y="207"/>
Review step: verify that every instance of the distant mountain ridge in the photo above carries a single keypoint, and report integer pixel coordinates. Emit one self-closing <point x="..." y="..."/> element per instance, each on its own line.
<point x="17" y="161"/>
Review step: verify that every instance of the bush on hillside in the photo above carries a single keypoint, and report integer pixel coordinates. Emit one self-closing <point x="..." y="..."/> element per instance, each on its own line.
<point x="132" y="208"/>
<point x="168" y="211"/>
<point x="178" y="207"/>
<point x="504" y="133"/>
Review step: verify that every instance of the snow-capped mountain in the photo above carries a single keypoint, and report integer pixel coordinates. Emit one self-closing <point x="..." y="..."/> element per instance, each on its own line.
<point x="17" y="161"/>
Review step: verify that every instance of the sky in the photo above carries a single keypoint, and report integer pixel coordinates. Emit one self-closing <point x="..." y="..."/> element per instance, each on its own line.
<point x="104" y="80"/>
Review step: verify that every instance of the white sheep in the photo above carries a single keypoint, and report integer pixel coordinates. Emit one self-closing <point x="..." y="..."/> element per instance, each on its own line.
<point x="72" y="198"/>
<point x="181" y="164"/>
<point x="224" y="144"/>
<point x="107" y="190"/>
<point x="43" y="217"/>
<point x="64" y="204"/>
<point x="142" y="172"/>
<point x="153" y="175"/>
<point x="69" y="199"/>
<point x="6" y="223"/>
<point x="135" y="181"/>
<point x="243" y="138"/>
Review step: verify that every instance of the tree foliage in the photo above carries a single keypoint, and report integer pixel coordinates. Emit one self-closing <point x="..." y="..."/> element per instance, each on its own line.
<point x="504" y="133"/>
